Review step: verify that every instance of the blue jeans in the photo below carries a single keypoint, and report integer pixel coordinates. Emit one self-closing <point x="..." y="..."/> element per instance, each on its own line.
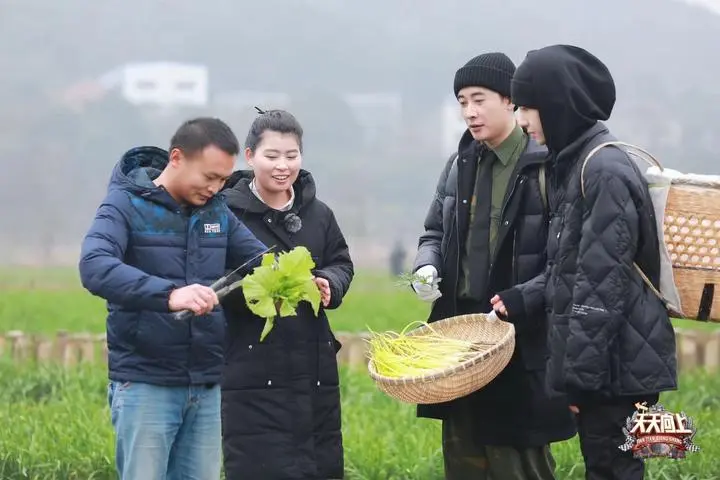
<point x="166" y="433"/>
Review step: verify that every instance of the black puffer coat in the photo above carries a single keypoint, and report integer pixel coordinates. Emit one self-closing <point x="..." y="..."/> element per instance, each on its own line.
<point x="281" y="399"/>
<point x="610" y="335"/>
<point x="513" y="410"/>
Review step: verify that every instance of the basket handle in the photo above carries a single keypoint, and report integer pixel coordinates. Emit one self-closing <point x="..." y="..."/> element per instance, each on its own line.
<point x="649" y="158"/>
<point x="632" y="150"/>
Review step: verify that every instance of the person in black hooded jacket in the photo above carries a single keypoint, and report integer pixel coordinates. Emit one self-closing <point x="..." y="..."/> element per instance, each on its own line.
<point x="610" y="337"/>
<point x="280" y="397"/>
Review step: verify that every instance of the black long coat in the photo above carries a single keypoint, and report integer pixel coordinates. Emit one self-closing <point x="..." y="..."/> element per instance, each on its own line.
<point x="281" y="398"/>
<point x="513" y="410"/>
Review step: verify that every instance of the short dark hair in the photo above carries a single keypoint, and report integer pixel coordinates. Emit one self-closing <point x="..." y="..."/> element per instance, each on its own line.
<point x="197" y="134"/>
<point x="280" y="121"/>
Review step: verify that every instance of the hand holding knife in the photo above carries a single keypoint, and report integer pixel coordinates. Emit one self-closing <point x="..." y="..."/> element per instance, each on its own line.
<point x="222" y="286"/>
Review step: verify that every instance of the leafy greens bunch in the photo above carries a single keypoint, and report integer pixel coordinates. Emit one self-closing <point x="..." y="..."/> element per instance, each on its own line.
<point x="278" y="285"/>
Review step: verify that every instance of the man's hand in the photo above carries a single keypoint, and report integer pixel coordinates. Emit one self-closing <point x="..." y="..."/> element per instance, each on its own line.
<point x="574" y="409"/>
<point x="197" y="298"/>
<point x="324" y="287"/>
<point x="498" y="305"/>
<point x="427" y="289"/>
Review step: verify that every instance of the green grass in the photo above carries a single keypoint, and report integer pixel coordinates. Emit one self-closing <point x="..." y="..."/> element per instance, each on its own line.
<point x="45" y="301"/>
<point x="49" y="305"/>
<point x="54" y="424"/>
<point x="38" y="277"/>
<point x="696" y="325"/>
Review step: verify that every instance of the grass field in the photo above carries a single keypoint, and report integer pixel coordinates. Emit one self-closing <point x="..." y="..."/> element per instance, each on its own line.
<point x="48" y="300"/>
<point x="55" y="424"/>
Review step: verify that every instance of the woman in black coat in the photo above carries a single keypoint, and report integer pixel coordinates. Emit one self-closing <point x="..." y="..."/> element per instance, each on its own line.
<point x="281" y="399"/>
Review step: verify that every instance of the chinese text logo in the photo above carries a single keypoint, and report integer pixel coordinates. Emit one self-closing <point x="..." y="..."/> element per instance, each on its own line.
<point x="655" y="432"/>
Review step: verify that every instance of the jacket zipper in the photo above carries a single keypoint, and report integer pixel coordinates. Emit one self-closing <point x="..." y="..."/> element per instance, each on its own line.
<point x="556" y="279"/>
<point x="502" y="216"/>
<point x="512" y="192"/>
<point x="188" y="229"/>
<point x="456" y="229"/>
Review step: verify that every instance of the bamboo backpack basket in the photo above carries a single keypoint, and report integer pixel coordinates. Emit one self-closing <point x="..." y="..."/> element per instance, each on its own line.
<point x="494" y="340"/>
<point x="688" y="215"/>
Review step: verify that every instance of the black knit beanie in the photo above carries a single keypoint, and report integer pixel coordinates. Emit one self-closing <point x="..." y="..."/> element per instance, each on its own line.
<point x="493" y="71"/>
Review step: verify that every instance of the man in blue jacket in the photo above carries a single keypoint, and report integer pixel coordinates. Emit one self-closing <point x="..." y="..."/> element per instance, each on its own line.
<point x="159" y="237"/>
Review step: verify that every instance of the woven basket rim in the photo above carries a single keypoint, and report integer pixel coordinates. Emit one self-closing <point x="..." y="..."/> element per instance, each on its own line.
<point x="695" y="182"/>
<point x="502" y="344"/>
<point x="680" y="266"/>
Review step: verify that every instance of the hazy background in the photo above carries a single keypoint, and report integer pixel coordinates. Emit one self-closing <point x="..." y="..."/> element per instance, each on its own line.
<point x="371" y="82"/>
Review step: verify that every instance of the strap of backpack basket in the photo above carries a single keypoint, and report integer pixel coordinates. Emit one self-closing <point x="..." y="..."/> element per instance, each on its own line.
<point x="636" y="152"/>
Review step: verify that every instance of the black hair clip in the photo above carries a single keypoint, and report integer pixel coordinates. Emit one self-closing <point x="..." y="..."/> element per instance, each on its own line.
<point x="259" y="110"/>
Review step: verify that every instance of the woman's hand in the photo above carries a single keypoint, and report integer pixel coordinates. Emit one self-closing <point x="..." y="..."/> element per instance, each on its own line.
<point x="498" y="305"/>
<point x="324" y="287"/>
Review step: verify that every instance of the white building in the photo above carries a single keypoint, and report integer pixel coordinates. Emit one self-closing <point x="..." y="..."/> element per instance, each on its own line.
<point x="160" y="83"/>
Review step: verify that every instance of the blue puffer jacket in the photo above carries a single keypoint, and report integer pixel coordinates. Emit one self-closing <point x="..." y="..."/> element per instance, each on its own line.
<point x="142" y="245"/>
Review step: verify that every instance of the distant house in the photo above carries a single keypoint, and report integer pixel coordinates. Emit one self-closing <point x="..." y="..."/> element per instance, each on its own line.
<point x="160" y="83"/>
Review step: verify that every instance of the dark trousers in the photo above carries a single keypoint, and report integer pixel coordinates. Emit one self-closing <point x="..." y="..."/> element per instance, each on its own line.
<point x="600" y="428"/>
<point x="466" y="460"/>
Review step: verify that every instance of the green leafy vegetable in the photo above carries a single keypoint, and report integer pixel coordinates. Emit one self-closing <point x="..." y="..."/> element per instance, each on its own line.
<point x="277" y="286"/>
<point x="408" y="278"/>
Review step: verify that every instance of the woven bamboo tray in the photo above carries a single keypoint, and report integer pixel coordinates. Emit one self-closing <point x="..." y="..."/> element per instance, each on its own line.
<point x="495" y="341"/>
